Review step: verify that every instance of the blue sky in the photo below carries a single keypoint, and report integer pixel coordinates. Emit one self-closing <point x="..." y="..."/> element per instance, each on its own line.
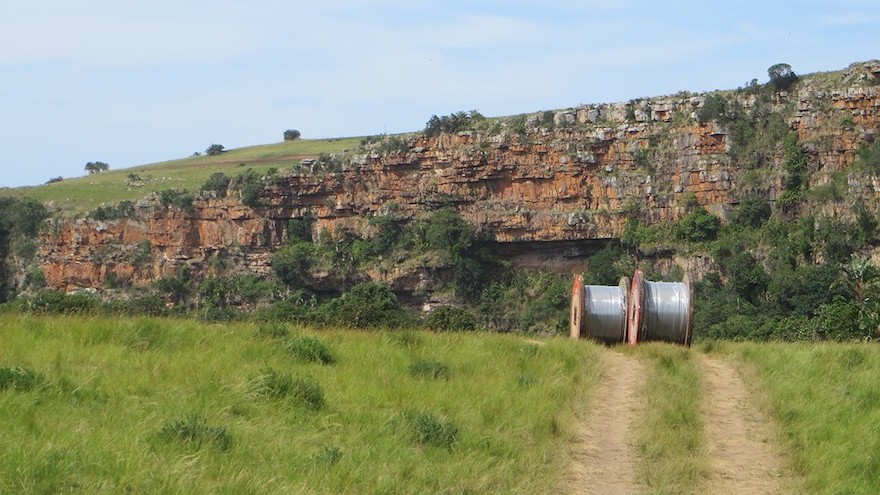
<point x="130" y="83"/>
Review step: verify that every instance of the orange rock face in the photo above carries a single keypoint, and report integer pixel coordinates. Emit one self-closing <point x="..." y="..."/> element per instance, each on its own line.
<point x="578" y="182"/>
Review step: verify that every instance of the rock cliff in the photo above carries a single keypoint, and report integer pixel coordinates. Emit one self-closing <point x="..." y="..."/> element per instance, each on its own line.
<point x="557" y="182"/>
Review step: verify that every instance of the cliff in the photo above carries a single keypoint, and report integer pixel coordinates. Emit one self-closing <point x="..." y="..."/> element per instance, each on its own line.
<point x="557" y="183"/>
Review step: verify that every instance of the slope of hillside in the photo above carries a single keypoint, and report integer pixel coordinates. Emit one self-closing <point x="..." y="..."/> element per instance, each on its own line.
<point x="79" y="195"/>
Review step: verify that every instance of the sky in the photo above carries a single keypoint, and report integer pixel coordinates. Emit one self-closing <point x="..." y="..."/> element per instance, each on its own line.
<point x="129" y="83"/>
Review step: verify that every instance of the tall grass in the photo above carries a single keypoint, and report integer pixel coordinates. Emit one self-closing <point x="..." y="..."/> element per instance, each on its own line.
<point x="176" y="406"/>
<point x="826" y="399"/>
<point x="670" y="433"/>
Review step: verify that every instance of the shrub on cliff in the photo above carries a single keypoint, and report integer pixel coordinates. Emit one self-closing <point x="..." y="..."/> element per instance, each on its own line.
<point x="452" y="123"/>
<point x="217" y="182"/>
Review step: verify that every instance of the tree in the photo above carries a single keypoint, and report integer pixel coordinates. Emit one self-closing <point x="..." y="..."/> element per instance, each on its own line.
<point x="291" y="135"/>
<point x="95" y="167"/>
<point x="782" y="77"/>
<point x="214" y="150"/>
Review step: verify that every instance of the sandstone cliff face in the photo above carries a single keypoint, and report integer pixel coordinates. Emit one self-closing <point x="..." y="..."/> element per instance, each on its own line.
<point x="575" y="183"/>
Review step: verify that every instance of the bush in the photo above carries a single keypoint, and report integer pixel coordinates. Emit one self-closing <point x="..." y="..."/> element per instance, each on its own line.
<point x="840" y="321"/>
<point x="452" y="123"/>
<point x="250" y="186"/>
<point x="292" y="134"/>
<point x="310" y="349"/>
<point x="752" y="211"/>
<point x="54" y="302"/>
<point x="214" y="149"/>
<point x="180" y="199"/>
<point x="433" y="370"/>
<point x="276" y="385"/>
<point x="451" y="318"/>
<point x="428" y="429"/>
<point x="291" y="264"/>
<point x="698" y="226"/>
<point x="217" y="182"/>
<point x="714" y="109"/>
<point x="20" y="379"/>
<point x="123" y="210"/>
<point x="366" y="305"/>
<point x="193" y="431"/>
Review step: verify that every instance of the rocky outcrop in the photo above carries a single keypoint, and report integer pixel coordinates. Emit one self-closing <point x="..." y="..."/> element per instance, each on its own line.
<point x="519" y="182"/>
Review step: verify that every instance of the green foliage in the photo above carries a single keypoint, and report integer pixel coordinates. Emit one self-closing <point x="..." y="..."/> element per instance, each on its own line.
<point x="96" y="167"/>
<point x="869" y="157"/>
<point x="218" y="182"/>
<point x="714" y="109"/>
<point x="752" y="211"/>
<point x="123" y="210"/>
<point x="223" y="292"/>
<point x="292" y="135"/>
<point x="310" y="350"/>
<point x="176" y="198"/>
<point x="178" y="288"/>
<point x="192" y="431"/>
<point x="755" y="136"/>
<point x="366" y="305"/>
<point x="782" y="78"/>
<point x="20" y="220"/>
<point x="214" y="149"/>
<point x="300" y="229"/>
<point x="54" y="302"/>
<point x="428" y="429"/>
<point x="291" y="264"/>
<point x="748" y="279"/>
<point x="534" y="302"/>
<point x="698" y="226"/>
<point x="19" y="379"/>
<point x="394" y="144"/>
<point x="452" y="123"/>
<point x="250" y="186"/>
<point x="327" y="455"/>
<point x="328" y="162"/>
<point x="433" y="370"/>
<point x="839" y="320"/>
<point x="451" y="318"/>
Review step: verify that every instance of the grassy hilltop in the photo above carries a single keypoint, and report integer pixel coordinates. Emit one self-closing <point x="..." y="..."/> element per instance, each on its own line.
<point x="82" y="194"/>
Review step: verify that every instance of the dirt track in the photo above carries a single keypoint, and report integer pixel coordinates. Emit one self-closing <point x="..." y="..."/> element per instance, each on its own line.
<point x="738" y="438"/>
<point x="605" y="461"/>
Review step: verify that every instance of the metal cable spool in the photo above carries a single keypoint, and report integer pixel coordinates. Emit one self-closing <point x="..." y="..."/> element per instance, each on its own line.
<point x="660" y="311"/>
<point x="599" y="311"/>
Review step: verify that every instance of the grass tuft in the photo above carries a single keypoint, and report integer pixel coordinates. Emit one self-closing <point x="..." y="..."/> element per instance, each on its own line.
<point x="268" y="331"/>
<point x="433" y="370"/>
<point x="407" y="338"/>
<point x="428" y="429"/>
<point x="310" y="349"/>
<point x="21" y="379"/>
<point x="273" y="384"/>
<point x="192" y="430"/>
<point x="327" y="456"/>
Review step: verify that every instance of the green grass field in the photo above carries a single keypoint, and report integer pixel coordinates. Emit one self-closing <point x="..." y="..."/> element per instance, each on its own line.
<point x="142" y="405"/>
<point x="82" y="194"/>
<point x="826" y="399"/>
<point x="109" y="405"/>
